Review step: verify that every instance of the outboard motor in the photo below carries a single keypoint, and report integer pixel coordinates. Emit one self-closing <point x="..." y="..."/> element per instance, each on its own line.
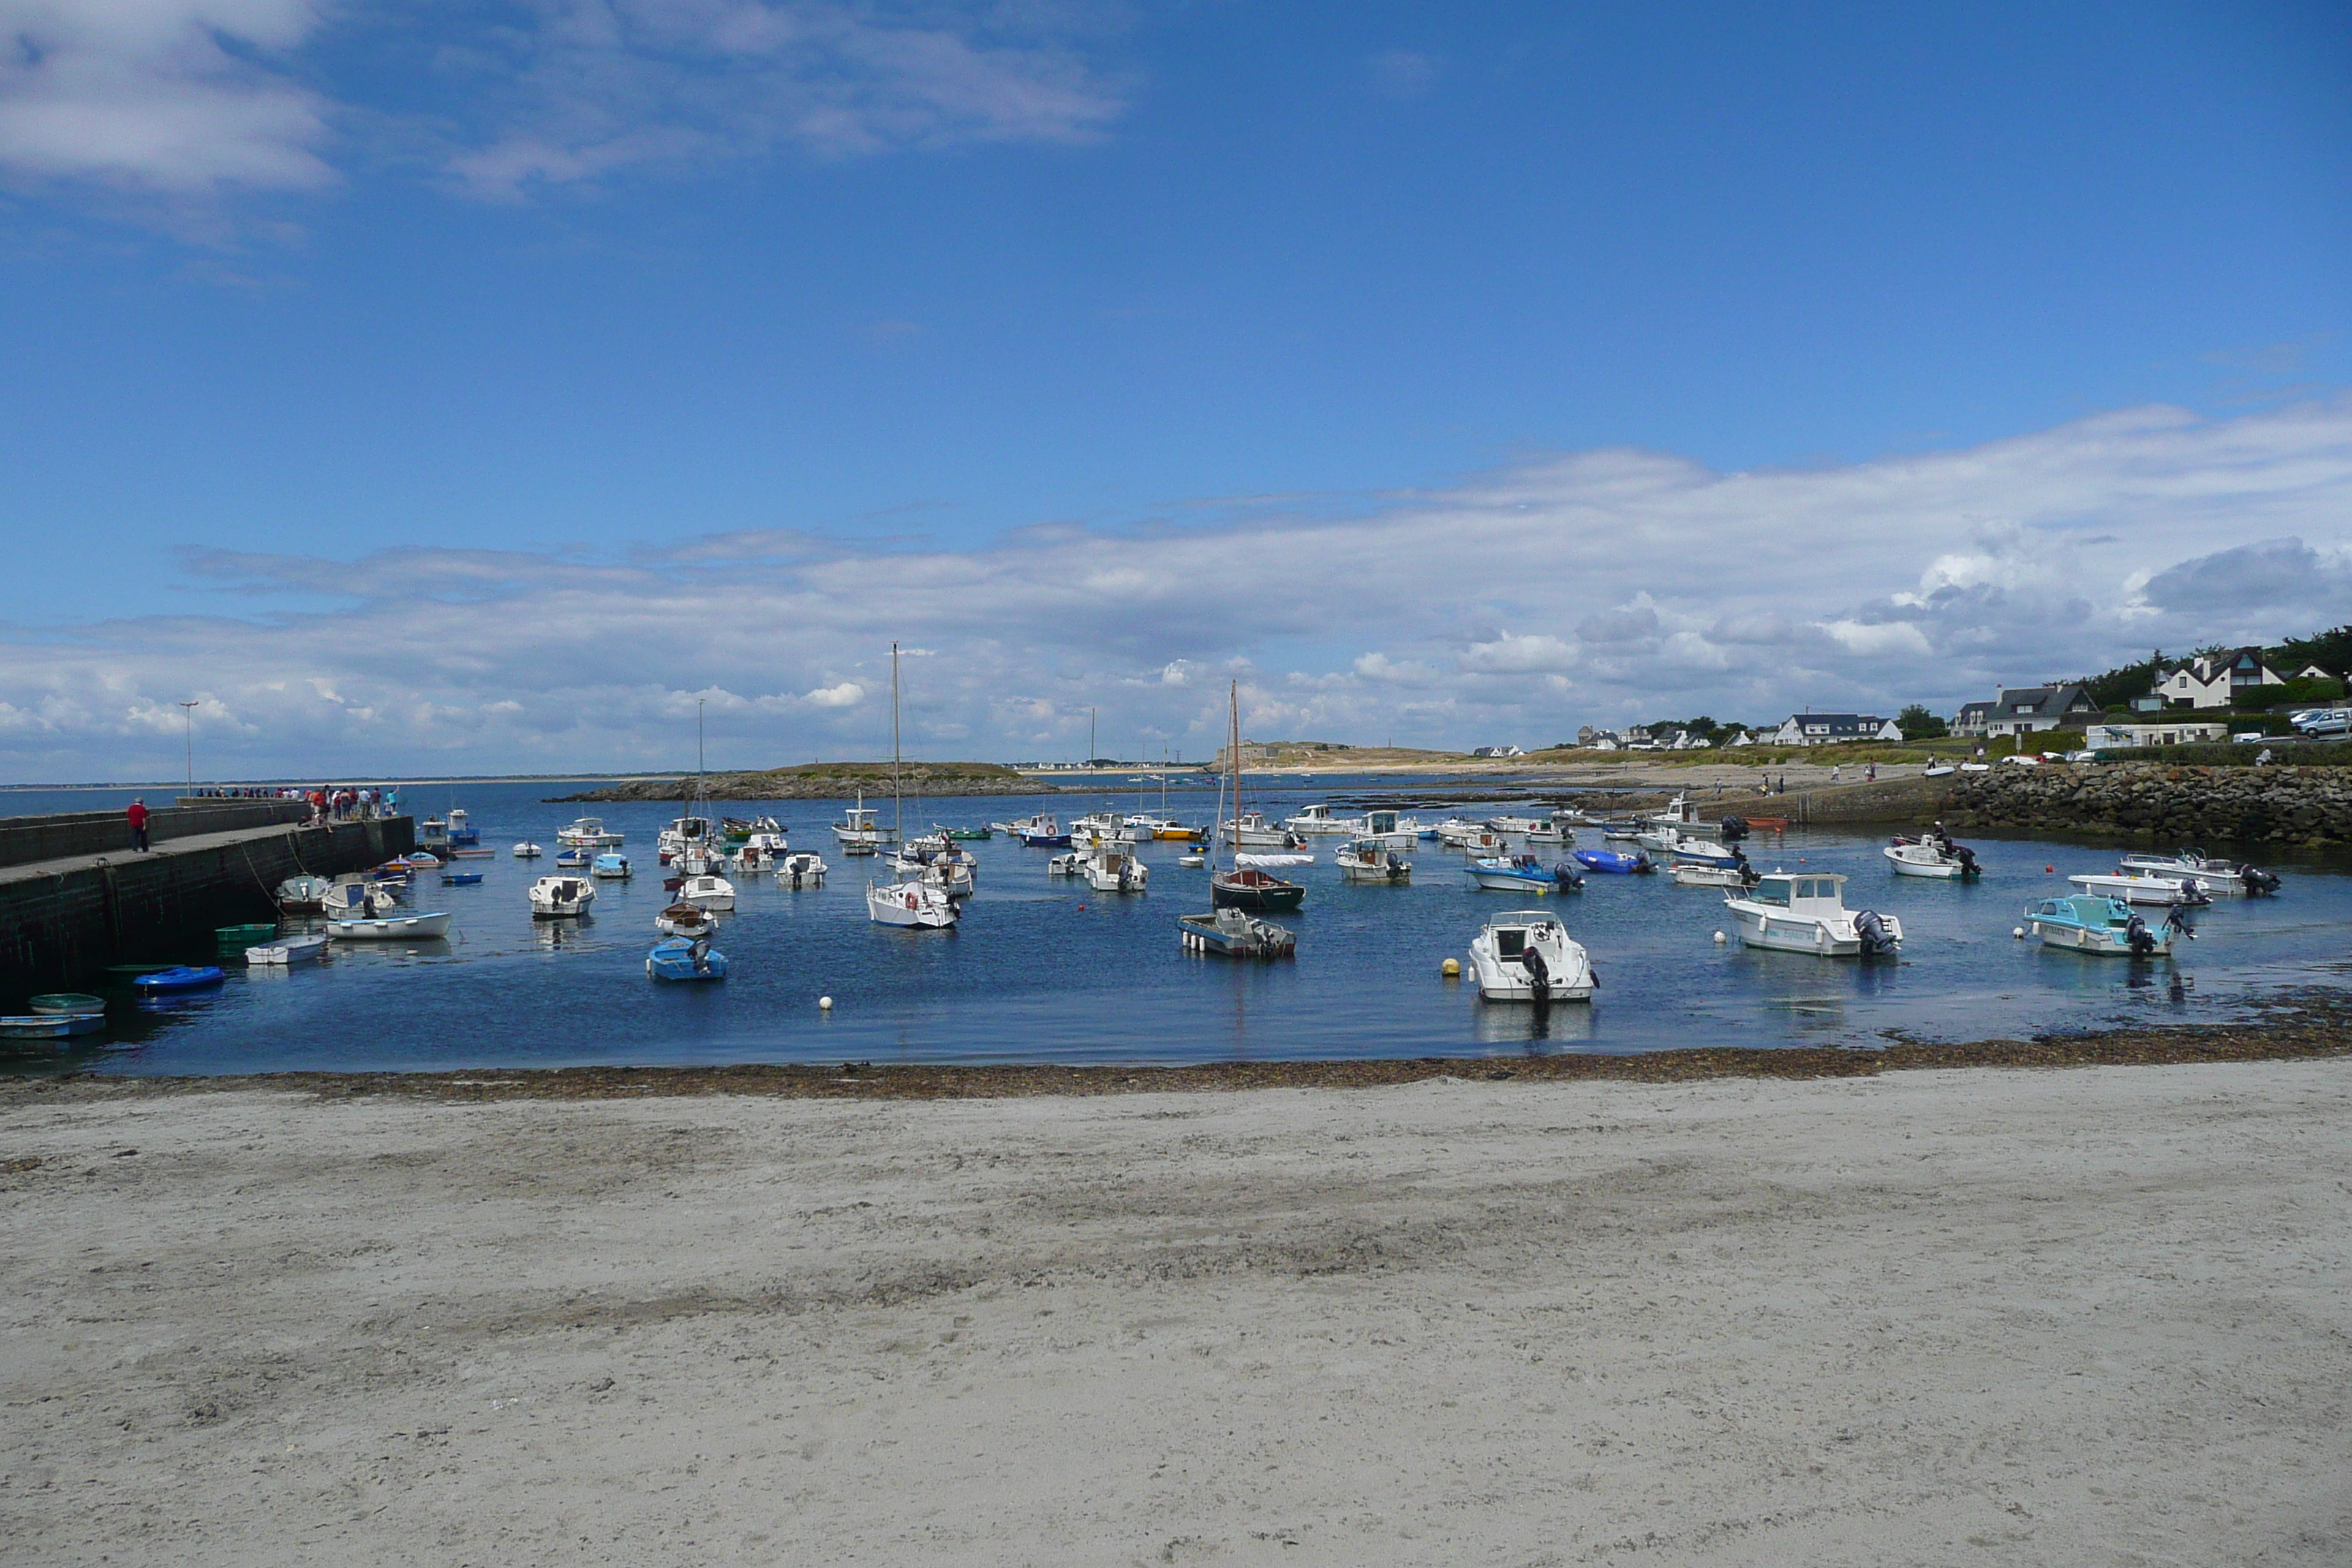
<point x="2258" y="880"/>
<point x="1643" y="865"/>
<point x="1538" y="975"/>
<point x="2193" y="892"/>
<point x="2137" y="937"/>
<point x="1734" y="828"/>
<point x="1569" y="878"/>
<point x="1877" y="942"/>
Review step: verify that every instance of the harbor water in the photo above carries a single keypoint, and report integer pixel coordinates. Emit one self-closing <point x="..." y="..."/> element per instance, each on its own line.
<point x="1047" y="969"/>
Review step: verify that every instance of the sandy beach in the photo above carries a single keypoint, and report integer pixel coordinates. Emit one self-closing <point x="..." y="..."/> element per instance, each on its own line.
<point x="2090" y="1316"/>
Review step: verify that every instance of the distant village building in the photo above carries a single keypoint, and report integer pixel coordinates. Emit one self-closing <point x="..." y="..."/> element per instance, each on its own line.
<point x="1498" y="751"/>
<point x="2116" y="737"/>
<point x="1829" y="729"/>
<point x="2023" y="710"/>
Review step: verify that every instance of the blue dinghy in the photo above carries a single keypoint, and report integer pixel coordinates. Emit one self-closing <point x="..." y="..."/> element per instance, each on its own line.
<point x="182" y="978"/>
<point x="1523" y="874"/>
<point x="50" y="1025"/>
<point x="1610" y="862"/>
<point x="461" y="880"/>
<point x="686" y="958"/>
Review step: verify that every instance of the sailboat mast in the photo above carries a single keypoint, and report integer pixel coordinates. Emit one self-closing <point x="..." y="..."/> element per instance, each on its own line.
<point x="894" y="736"/>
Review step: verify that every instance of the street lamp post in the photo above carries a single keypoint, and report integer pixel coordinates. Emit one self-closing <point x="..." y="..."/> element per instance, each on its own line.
<point x="188" y="734"/>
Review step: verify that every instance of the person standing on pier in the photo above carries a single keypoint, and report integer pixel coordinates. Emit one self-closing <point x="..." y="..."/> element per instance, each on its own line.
<point x="138" y="816"/>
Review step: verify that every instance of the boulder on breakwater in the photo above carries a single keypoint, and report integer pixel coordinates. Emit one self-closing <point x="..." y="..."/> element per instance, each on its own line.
<point x="2170" y="805"/>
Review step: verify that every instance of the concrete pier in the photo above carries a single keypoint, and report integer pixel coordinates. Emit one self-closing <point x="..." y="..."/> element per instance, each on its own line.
<point x="65" y="916"/>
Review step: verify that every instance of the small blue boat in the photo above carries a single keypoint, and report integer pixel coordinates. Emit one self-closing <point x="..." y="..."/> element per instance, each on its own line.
<point x="462" y="879"/>
<point x="686" y="958"/>
<point x="1523" y="874"/>
<point x="1612" y="863"/>
<point x="182" y="978"/>
<point x="609" y="864"/>
<point x="1045" y="840"/>
<point x="50" y="1025"/>
<point x="575" y="860"/>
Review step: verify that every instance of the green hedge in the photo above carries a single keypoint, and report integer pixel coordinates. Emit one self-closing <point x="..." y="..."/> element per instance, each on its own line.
<point x="2332" y="754"/>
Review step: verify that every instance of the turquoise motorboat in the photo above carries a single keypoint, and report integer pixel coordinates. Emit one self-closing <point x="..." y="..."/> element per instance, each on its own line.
<point x="2093" y="922"/>
<point x="686" y="958"/>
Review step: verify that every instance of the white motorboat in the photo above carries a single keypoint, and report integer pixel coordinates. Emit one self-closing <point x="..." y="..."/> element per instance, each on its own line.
<point x="1474" y="838"/>
<point x="1094" y="828"/>
<point x="800" y="869"/>
<point x="1682" y="814"/>
<point x="1933" y="853"/>
<point x="688" y="835"/>
<point x="760" y="851"/>
<point x="682" y="919"/>
<point x="1195" y="857"/>
<point x="1698" y="874"/>
<point x="2095" y="923"/>
<point x="587" y="833"/>
<point x="1805" y="911"/>
<point x="1071" y="863"/>
<point x="710" y="891"/>
<point x="858" y="832"/>
<point x="1517" y="827"/>
<point x="553" y="898"/>
<point x="354" y="900"/>
<point x="952" y="874"/>
<point x="1251" y="830"/>
<point x="1391" y="830"/>
<point x="1689" y="847"/>
<point x="2164" y="892"/>
<point x="287" y="951"/>
<point x="2222" y="879"/>
<point x="1114" y="871"/>
<point x="1371" y="860"/>
<point x="297" y="893"/>
<point x="1529" y="956"/>
<point x="910" y="904"/>
<point x="1317" y="818"/>
<point x="391" y="928"/>
<point x="526" y="850"/>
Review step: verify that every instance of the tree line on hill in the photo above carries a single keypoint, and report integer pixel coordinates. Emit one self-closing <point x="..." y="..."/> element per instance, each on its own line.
<point x="2330" y="650"/>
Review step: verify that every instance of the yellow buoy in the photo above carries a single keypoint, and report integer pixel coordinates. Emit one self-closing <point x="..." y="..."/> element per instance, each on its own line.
<point x="1451" y="968"/>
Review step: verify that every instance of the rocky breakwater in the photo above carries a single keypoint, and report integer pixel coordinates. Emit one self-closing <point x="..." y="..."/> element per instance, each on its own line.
<point x="2164" y="805"/>
<point x="827" y="781"/>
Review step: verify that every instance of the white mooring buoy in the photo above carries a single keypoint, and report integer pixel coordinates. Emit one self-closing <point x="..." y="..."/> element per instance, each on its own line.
<point x="1718" y="938"/>
<point x="825" y="1004"/>
<point x="2018" y="932"/>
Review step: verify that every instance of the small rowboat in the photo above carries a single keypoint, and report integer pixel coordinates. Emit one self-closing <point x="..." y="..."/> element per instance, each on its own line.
<point x="237" y="939"/>
<point x="179" y="978"/>
<point x="1767" y="823"/>
<point x="421" y="861"/>
<point x="471" y="854"/>
<point x="683" y="959"/>
<point x="287" y="951"/>
<point x="50" y="1025"/>
<point x="69" y="1002"/>
<point x="967" y="835"/>
<point x="461" y="878"/>
<point x="393" y="927"/>
<point x="526" y="850"/>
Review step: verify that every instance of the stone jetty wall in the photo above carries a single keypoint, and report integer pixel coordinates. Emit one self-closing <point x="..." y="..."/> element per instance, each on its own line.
<point x="2163" y="805"/>
<point x="63" y="922"/>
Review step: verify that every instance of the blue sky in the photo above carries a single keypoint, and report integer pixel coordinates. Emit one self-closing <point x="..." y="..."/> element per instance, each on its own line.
<point x="473" y="387"/>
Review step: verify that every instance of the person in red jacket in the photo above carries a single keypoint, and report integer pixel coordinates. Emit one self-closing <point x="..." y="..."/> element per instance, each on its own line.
<point x="138" y="815"/>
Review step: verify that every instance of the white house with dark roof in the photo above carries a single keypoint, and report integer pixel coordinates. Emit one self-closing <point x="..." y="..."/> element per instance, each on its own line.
<point x="2215" y="681"/>
<point x="1829" y="729"/>
<point x="2024" y="710"/>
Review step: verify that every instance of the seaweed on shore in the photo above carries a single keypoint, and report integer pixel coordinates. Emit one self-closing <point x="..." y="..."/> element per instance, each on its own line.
<point x="2300" y="1025"/>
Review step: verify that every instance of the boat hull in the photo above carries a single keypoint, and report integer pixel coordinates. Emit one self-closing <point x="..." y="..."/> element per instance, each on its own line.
<point x="286" y="953"/>
<point x="910" y="904"/>
<point x="395" y="927"/>
<point x="1946" y="871"/>
<point x="1502" y="981"/>
<point x="1512" y="882"/>
<point x="1254" y="940"/>
<point x="675" y="961"/>
<point x="1255" y="892"/>
<point x="1792" y="933"/>
<point x="50" y="1025"/>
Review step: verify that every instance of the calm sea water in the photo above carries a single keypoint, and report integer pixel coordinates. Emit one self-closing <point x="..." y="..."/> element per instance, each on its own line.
<point x="1045" y="971"/>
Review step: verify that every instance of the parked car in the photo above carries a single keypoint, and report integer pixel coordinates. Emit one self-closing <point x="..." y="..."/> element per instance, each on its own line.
<point x="2322" y="721"/>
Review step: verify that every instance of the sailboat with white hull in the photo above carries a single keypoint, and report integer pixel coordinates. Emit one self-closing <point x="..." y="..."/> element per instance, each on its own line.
<point x="913" y="901"/>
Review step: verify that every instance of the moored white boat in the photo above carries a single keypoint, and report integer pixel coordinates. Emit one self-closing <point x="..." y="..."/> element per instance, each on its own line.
<point x="1371" y="860"/>
<point x="858" y="832"/>
<point x="1528" y="956"/>
<point x="915" y="903"/>
<point x="1319" y="818"/>
<point x="556" y="896"/>
<point x="588" y="833"/>
<point x="682" y="919"/>
<point x="1696" y="874"/>
<point x="2222" y="879"/>
<point x="297" y="893"/>
<point x="1251" y="830"/>
<point x="1701" y="851"/>
<point x="526" y="850"/>
<point x="2135" y="889"/>
<point x="1114" y="871"/>
<point x="287" y="951"/>
<point x="800" y="869"/>
<point x="1231" y="934"/>
<point x="393" y="927"/>
<point x="358" y="899"/>
<point x="1070" y="863"/>
<point x="1933" y="853"/>
<point x="1805" y="912"/>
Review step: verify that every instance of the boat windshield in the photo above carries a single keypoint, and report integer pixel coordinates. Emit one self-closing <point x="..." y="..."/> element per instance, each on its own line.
<point x="1770" y="890"/>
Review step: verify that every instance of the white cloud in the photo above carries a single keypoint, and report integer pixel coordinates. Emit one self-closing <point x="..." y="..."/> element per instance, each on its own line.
<point x="1832" y="588"/>
<point x="180" y="97"/>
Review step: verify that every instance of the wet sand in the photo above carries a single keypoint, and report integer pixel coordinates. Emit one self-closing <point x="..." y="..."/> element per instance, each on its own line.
<point x="2089" y="1316"/>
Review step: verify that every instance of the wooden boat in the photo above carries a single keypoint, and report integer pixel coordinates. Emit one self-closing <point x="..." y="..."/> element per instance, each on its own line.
<point x="49" y="1026"/>
<point x="1766" y="824"/>
<point x="287" y="951"/>
<point x="1234" y="886"/>
<point x="179" y="978"/>
<point x="682" y="919"/>
<point x="67" y="1002"/>
<point x="461" y="878"/>
<point x="395" y="928"/>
